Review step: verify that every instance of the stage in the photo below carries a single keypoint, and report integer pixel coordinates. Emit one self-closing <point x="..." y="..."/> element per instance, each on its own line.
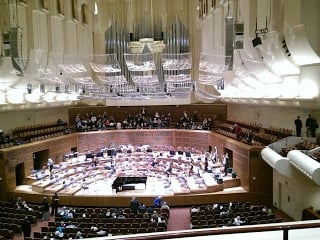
<point x="152" y="174"/>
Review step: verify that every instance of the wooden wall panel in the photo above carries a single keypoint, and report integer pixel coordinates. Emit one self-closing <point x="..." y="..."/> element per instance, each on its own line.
<point x="260" y="174"/>
<point x="124" y="201"/>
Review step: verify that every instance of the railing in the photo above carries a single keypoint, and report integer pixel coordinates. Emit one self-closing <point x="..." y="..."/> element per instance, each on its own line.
<point x="257" y="232"/>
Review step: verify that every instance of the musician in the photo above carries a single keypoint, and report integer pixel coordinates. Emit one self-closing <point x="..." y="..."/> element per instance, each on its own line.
<point x="226" y="163"/>
<point x="169" y="169"/>
<point x="214" y="156"/>
<point x="95" y="161"/>
<point x="50" y="164"/>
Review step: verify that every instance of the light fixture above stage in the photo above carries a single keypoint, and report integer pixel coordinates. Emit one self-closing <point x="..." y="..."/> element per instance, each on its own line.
<point x="257" y="40"/>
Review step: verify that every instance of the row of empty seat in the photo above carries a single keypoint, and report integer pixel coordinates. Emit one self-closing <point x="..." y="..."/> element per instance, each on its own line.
<point x="224" y="214"/>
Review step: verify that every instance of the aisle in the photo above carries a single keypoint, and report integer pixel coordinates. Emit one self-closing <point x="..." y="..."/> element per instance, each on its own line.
<point x="179" y="219"/>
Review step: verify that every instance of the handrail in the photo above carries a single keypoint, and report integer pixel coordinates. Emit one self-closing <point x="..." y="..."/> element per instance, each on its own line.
<point x="285" y="227"/>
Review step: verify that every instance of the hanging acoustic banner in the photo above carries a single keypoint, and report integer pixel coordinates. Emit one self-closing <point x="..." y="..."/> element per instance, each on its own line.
<point x="229" y="41"/>
<point x="239" y="29"/>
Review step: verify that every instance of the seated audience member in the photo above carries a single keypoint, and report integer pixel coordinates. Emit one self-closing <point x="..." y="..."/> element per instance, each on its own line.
<point x="142" y="208"/>
<point x="158" y="202"/>
<point x="66" y="213"/>
<point x="249" y="137"/>
<point x="237" y="130"/>
<point x="18" y="203"/>
<point x="161" y="220"/>
<point x="93" y="228"/>
<point x="237" y="221"/>
<point x="108" y="213"/>
<point x="121" y="215"/>
<point x="146" y="215"/>
<point x="101" y="232"/>
<point x="195" y="209"/>
<point x="149" y="210"/>
<point x="267" y="210"/>
<point x="24" y="205"/>
<point x="60" y="230"/>
<point x="78" y="235"/>
<point x="154" y="216"/>
<point x="61" y="122"/>
<point x="165" y="206"/>
<point x="208" y="209"/>
<point x="70" y="225"/>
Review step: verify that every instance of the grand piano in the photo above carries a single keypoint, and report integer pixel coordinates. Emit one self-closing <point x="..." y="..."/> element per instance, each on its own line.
<point x="127" y="183"/>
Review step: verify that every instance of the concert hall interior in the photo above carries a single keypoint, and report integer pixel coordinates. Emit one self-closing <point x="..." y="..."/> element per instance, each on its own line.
<point x="197" y="101"/>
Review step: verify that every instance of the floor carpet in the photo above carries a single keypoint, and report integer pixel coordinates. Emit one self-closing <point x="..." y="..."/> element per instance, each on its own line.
<point x="179" y="219"/>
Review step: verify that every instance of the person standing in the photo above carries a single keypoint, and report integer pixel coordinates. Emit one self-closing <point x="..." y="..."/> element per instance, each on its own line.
<point x="158" y="202"/>
<point x="308" y="124"/>
<point x="298" y="124"/>
<point x="45" y="208"/>
<point x="226" y="163"/>
<point x="134" y="205"/>
<point x="26" y="227"/>
<point x="50" y="164"/>
<point x="313" y="126"/>
<point x="54" y="204"/>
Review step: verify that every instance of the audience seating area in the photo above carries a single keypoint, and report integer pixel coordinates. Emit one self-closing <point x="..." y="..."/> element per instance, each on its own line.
<point x="303" y="145"/>
<point x="38" y="132"/>
<point x="88" y="220"/>
<point x="93" y="222"/>
<point x="11" y="218"/>
<point x="260" y="136"/>
<point x="224" y="214"/>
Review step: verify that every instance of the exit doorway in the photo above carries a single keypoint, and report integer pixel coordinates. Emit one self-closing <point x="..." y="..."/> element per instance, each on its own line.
<point x="230" y="154"/>
<point x="40" y="159"/>
<point x="20" y="174"/>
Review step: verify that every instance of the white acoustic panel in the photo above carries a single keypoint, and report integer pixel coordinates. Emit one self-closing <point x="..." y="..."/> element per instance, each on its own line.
<point x="299" y="46"/>
<point x="70" y="39"/>
<point x="57" y="36"/>
<point x="279" y="163"/>
<point x="305" y="164"/>
<point x="40" y="30"/>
